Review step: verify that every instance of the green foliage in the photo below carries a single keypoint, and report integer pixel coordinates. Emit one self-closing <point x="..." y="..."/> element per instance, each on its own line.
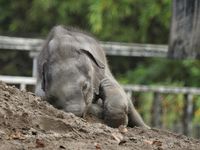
<point x="15" y="63"/>
<point x="128" y="20"/>
<point x="196" y="118"/>
<point x="172" y="106"/>
<point x="160" y="71"/>
<point x="145" y="105"/>
<point x="39" y="16"/>
<point x="131" y="20"/>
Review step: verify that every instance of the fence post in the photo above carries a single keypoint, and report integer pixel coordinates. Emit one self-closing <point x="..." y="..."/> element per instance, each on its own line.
<point x="187" y="114"/>
<point x="34" y="73"/>
<point x="34" y="55"/>
<point x="22" y="86"/>
<point x="156" y="110"/>
<point x="196" y="131"/>
<point x="129" y="94"/>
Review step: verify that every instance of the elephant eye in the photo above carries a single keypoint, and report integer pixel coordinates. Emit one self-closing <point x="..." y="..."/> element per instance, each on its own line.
<point x="85" y="86"/>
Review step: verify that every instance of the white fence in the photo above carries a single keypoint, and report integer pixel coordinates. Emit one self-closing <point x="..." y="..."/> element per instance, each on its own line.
<point x="117" y="49"/>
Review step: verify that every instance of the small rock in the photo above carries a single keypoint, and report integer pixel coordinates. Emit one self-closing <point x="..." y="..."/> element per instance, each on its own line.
<point x="62" y="147"/>
<point x="39" y="143"/>
<point x="60" y="115"/>
<point x="34" y="132"/>
<point x="133" y="138"/>
<point x="122" y="129"/>
<point x="97" y="146"/>
<point x="118" y="137"/>
<point x="157" y="143"/>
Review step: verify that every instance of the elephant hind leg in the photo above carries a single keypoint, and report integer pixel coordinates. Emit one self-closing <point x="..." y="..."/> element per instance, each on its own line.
<point x="134" y="117"/>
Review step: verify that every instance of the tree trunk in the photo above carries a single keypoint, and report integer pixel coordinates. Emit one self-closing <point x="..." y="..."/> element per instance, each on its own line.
<point x="185" y="29"/>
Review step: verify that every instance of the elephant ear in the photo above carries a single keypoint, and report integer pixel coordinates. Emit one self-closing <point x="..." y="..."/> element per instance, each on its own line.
<point x="99" y="70"/>
<point x="44" y="76"/>
<point x="93" y="58"/>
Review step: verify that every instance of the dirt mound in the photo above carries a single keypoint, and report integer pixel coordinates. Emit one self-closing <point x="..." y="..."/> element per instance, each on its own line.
<point x="27" y="122"/>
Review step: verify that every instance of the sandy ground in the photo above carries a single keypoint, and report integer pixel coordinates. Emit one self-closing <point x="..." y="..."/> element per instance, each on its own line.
<point x="27" y="122"/>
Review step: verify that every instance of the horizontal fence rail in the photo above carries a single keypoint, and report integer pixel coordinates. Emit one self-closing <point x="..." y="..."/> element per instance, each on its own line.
<point x="111" y="48"/>
<point x="18" y="80"/>
<point x="17" y="43"/>
<point x="22" y="81"/>
<point x="163" y="89"/>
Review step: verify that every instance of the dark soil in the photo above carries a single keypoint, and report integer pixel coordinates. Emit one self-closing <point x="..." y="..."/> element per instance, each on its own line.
<point x="27" y="122"/>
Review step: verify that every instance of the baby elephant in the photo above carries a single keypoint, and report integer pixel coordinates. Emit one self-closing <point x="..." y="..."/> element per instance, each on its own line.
<point x="73" y="75"/>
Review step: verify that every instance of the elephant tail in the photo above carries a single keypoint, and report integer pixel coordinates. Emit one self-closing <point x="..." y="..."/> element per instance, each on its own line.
<point x="134" y="117"/>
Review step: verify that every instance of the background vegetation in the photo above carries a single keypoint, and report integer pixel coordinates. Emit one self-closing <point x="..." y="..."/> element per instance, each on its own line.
<point x="137" y="21"/>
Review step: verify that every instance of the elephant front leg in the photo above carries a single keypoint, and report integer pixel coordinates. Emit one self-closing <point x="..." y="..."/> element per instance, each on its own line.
<point x="115" y="106"/>
<point x="115" y="114"/>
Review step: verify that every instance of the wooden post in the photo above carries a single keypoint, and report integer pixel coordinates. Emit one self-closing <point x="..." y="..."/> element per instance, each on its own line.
<point x="187" y="114"/>
<point x="156" y="110"/>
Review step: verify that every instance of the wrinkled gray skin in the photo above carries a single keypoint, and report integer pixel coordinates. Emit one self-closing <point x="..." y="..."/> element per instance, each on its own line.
<point x="73" y="75"/>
